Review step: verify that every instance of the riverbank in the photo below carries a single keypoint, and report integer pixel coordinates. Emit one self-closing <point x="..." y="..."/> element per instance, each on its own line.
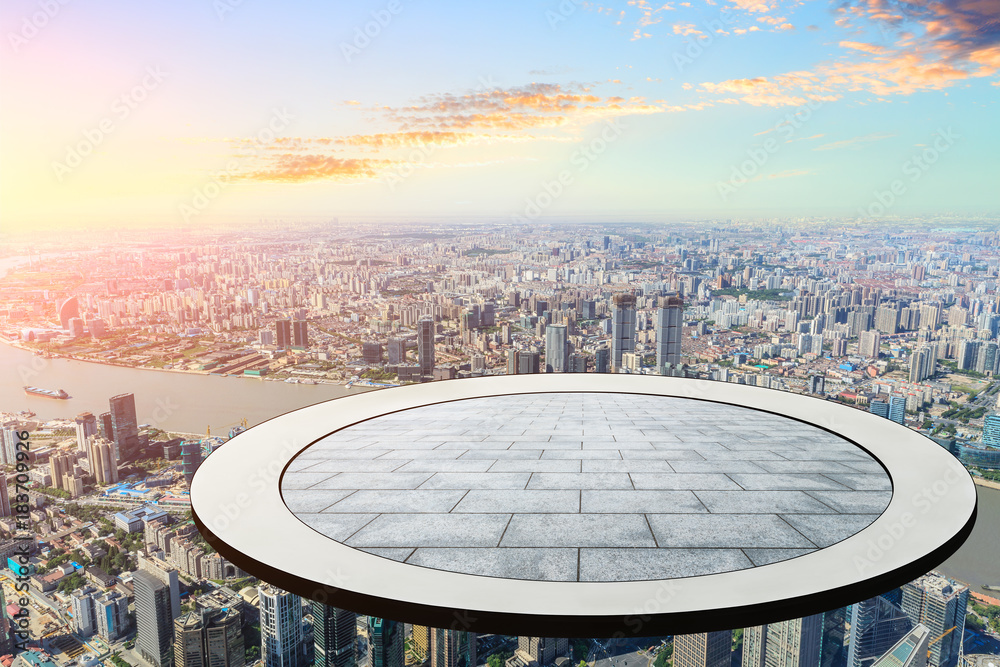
<point x="987" y="483"/>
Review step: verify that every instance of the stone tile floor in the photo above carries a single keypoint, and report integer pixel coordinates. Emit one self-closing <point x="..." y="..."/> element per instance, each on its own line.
<point x="585" y="487"/>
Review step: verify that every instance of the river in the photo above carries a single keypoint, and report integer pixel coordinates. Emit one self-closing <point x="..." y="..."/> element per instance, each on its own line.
<point x="190" y="403"/>
<point x="181" y="402"/>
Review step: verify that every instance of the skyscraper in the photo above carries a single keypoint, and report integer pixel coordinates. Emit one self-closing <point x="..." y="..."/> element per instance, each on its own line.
<point x="794" y="643"/>
<point x="154" y="640"/>
<point x="425" y="346"/>
<point x="396" y="351"/>
<point x="280" y="628"/>
<point x="300" y="334"/>
<point x="705" y="649"/>
<point x="103" y="466"/>
<point x="421" y="645"/>
<point x="876" y="625"/>
<point x="669" y="325"/>
<point x="208" y="638"/>
<point x="542" y="651"/>
<point x="82" y="606"/>
<point x="622" y="328"/>
<point x="68" y="309"/>
<point x="86" y="426"/>
<point x="556" y="349"/>
<point x="868" y="344"/>
<point x="991" y="430"/>
<point x="111" y="610"/>
<point x="602" y="360"/>
<point x="922" y="363"/>
<point x="940" y="604"/>
<point x="385" y="643"/>
<point x="125" y="427"/>
<point x="190" y="458"/>
<point x="4" y="496"/>
<point x="283" y="334"/>
<point x="334" y="632"/>
<point x="453" y="648"/>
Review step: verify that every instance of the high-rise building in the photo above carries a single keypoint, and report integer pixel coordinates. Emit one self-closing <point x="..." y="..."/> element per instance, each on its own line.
<point x="453" y="648"/>
<point x="111" y="610"/>
<point x="602" y="360"/>
<point x="540" y="651"/>
<point x="868" y="344"/>
<point x="191" y="458"/>
<point x="991" y="430"/>
<point x="669" y="326"/>
<point x="396" y="351"/>
<point x="68" y="309"/>
<point x="167" y="575"/>
<point x="817" y="384"/>
<point x="107" y="431"/>
<point x="425" y="346"/>
<point x="84" y="616"/>
<point x="887" y="319"/>
<point x="103" y="465"/>
<point x="705" y="649"/>
<point x="209" y="638"/>
<point x="577" y="363"/>
<point x="154" y="640"/>
<point x="421" y="645"/>
<point x="940" y="604"/>
<point x="556" y="349"/>
<point x="922" y="363"/>
<point x="283" y="334"/>
<point x="832" y="650"/>
<point x="622" y="328"/>
<point x="794" y="643"/>
<point x="125" y="427"/>
<point x="894" y="408"/>
<point x="334" y="633"/>
<point x="371" y="353"/>
<point x="280" y="628"/>
<point x="385" y="643"/>
<point x="876" y="625"/>
<point x="910" y="651"/>
<point x="86" y="427"/>
<point x="4" y="496"/>
<point x="300" y="334"/>
<point x="59" y="465"/>
<point x="527" y="362"/>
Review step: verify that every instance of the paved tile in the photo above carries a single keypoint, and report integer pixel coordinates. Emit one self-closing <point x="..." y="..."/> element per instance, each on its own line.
<point x="477" y="480"/>
<point x="640" y="502"/>
<point x="827" y="529"/>
<point x="303" y="480"/>
<point x="580" y="480"/>
<point x="392" y="553"/>
<point x="767" y="556"/>
<point x="308" y="500"/>
<point x="683" y="481"/>
<point x="520" y="501"/>
<point x="576" y="530"/>
<point x="862" y="481"/>
<point x="528" y="465"/>
<point x="786" y="482"/>
<point x="855" y="502"/>
<point x="354" y="465"/>
<point x="525" y="563"/>
<point x="716" y="466"/>
<point x="761" y="502"/>
<point x="384" y="501"/>
<point x="336" y="526"/>
<point x="374" y="480"/>
<point x="724" y="531"/>
<point x="431" y="530"/>
<point x="633" y="564"/>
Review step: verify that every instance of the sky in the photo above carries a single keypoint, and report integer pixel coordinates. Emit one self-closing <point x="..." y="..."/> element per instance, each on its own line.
<point x="192" y="112"/>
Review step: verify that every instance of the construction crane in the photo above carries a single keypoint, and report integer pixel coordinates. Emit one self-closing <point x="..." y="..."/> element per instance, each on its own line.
<point x="939" y="638"/>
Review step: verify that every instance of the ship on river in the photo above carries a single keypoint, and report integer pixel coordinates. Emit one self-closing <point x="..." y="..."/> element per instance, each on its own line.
<point x="46" y="393"/>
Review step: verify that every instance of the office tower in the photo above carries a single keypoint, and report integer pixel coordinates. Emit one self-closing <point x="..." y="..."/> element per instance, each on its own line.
<point x="887" y="319"/>
<point x="425" y="346"/>
<point x="111" y="610"/>
<point x="68" y="309"/>
<point x="794" y="643"/>
<point x="541" y="650"/>
<point x="527" y="362"/>
<point x="577" y="363"/>
<point x="86" y="426"/>
<point x="396" y="351"/>
<point x="4" y="496"/>
<point x="602" y="360"/>
<point x="167" y="575"/>
<point x="669" y="326"/>
<point x="154" y="640"/>
<point x="385" y="643"/>
<point x="987" y="360"/>
<point x="556" y="349"/>
<point x="897" y="409"/>
<point x="511" y="362"/>
<point x="817" y="384"/>
<point x="968" y="352"/>
<point x="421" y="645"/>
<point x="910" y="651"/>
<point x="103" y="467"/>
<point x="300" y="334"/>
<point x="209" y="638"/>
<point x="334" y="633"/>
<point x="922" y="363"/>
<point x="190" y="458"/>
<point x="832" y="651"/>
<point x="453" y="648"/>
<point x="107" y="431"/>
<point x="283" y="334"/>
<point x="705" y="649"/>
<point x="622" y="328"/>
<point x="991" y="430"/>
<point x="876" y="625"/>
<point x="82" y="606"/>
<point x="371" y="353"/>
<point x="125" y="427"/>
<point x="940" y="604"/>
<point x="280" y="628"/>
<point x="868" y="344"/>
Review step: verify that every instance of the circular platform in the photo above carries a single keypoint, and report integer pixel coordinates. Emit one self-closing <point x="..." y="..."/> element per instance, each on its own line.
<point x="593" y="504"/>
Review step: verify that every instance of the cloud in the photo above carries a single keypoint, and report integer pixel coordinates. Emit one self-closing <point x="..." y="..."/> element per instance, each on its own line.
<point x="854" y="142"/>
